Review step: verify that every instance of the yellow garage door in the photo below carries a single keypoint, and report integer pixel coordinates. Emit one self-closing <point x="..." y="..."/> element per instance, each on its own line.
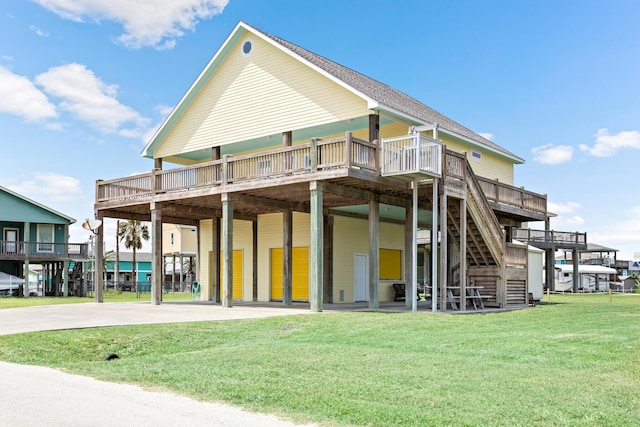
<point x="237" y="273"/>
<point x="300" y="272"/>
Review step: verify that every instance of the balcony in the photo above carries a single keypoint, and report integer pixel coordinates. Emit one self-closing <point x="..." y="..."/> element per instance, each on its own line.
<point x="549" y="239"/>
<point x="395" y="159"/>
<point x="411" y="156"/>
<point x="42" y="251"/>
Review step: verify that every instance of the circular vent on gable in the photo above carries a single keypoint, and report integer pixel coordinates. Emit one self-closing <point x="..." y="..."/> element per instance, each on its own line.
<point x="247" y="47"/>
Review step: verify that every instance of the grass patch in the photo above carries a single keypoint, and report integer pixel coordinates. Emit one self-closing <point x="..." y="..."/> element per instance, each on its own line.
<point x="108" y="296"/>
<point x="574" y="362"/>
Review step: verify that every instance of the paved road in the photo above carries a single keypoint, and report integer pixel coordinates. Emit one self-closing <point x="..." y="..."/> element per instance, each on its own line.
<point x="39" y="396"/>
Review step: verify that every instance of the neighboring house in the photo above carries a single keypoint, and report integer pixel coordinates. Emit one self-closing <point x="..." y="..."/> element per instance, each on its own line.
<point x="125" y="270"/>
<point x="179" y="251"/>
<point x="31" y="234"/>
<point x="311" y="182"/>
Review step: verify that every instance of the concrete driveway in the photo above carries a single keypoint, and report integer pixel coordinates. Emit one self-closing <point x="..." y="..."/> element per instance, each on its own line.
<point x="91" y="314"/>
<point x="39" y="396"/>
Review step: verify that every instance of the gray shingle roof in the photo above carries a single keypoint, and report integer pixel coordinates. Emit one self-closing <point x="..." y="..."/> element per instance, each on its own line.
<point x="388" y="96"/>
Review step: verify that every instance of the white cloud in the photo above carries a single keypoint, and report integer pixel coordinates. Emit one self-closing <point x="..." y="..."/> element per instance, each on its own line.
<point x="487" y="135"/>
<point x="155" y="23"/>
<point x="7" y="57"/>
<point x="91" y="100"/>
<point x="567" y="217"/>
<point x="563" y="208"/>
<point x="19" y="96"/>
<point x="552" y="155"/>
<point x="606" y="145"/>
<point x="38" y="31"/>
<point x="49" y="186"/>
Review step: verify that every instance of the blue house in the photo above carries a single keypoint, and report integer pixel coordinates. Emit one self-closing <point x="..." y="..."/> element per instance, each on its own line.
<point x="32" y="233"/>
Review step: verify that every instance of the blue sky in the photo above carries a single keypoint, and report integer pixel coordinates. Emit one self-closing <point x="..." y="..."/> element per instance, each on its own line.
<point x="84" y="83"/>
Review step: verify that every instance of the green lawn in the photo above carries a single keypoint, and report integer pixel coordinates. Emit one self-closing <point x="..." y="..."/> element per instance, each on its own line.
<point x="573" y="362"/>
<point x="109" y="296"/>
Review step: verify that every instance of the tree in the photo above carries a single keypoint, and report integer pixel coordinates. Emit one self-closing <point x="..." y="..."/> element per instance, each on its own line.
<point x="132" y="233"/>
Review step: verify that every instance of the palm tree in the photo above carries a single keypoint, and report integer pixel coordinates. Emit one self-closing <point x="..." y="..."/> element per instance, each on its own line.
<point x="132" y="233"/>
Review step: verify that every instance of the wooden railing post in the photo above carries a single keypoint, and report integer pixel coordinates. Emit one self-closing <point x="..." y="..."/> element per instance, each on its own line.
<point x="348" y="150"/>
<point x="314" y="154"/>
<point x="225" y="169"/>
<point x="376" y="155"/>
<point x="154" y="182"/>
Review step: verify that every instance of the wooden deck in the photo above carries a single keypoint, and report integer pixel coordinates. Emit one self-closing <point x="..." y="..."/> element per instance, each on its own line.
<point x="271" y="180"/>
<point x="41" y="251"/>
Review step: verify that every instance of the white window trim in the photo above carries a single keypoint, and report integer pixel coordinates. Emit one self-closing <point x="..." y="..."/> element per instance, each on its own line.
<point x="45" y="246"/>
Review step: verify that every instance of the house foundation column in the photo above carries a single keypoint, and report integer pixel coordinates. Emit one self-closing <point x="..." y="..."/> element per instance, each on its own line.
<point x="374" y="254"/>
<point x="444" y="247"/>
<point x="99" y="262"/>
<point x="215" y="260"/>
<point x="26" y="237"/>
<point x="227" y="251"/>
<point x="408" y="257"/>
<point x="575" y="259"/>
<point x="315" y="264"/>
<point x="463" y="254"/>
<point x="156" y="253"/>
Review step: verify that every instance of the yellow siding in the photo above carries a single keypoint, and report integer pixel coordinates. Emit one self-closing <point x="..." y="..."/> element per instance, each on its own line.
<point x="270" y="236"/>
<point x="237" y="279"/>
<point x="281" y="93"/>
<point x="490" y="166"/>
<point x="243" y="242"/>
<point x="300" y="274"/>
<point x="351" y="237"/>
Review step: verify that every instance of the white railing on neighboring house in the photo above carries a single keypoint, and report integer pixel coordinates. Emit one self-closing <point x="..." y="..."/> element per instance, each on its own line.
<point x="411" y="154"/>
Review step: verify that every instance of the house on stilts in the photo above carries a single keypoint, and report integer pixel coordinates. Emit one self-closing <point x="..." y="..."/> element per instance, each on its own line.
<point x="308" y="181"/>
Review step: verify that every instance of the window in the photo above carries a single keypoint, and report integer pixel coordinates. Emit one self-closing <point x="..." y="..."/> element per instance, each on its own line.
<point x="247" y="47"/>
<point x="390" y="264"/>
<point x="171" y="239"/>
<point x="45" y="238"/>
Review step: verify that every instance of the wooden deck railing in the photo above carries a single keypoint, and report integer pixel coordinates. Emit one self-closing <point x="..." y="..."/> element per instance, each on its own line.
<point x="548" y="238"/>
<point x="10" y="249"/>
<point x="316" y="156"/>
<point x="344" y="152"/>
<point x="516" y="255"/>
<point x="513" y="196"/>
<point x="414" y="153"/>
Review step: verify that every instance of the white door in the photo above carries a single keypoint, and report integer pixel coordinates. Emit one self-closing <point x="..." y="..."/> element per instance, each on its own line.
<point x="361" y="277"/>
<point x="11" y="239"/>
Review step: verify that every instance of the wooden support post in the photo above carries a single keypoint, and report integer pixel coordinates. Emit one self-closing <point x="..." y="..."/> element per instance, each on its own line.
<point x="215" y="153"/>
<point x="287" y="254"/>
<point x="374" y="253"/>
<point x="254" y="276"/>
<point x="26" y="236"/>
<point x="575" y="259"/>
<point x="215" y="260"/>
<point x="65" y="280"/>
<point x="434" y="245"/>
<point x="444" y="247"/>
<point x="414" y="247"/>
<point x="227" y="251"/>
<point x="314" y="154"/>
<point x="463" y="254"/>
<point x="156" y="254"/>
<point x="327" y="272"/>
<point x="99" y="262"/>
<point x="408" y="258"/>
<point x="287" y="138"/>
<point x="374" y="127"/>
<point x="315" y="273"/>
<point x="157" y="163"/>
